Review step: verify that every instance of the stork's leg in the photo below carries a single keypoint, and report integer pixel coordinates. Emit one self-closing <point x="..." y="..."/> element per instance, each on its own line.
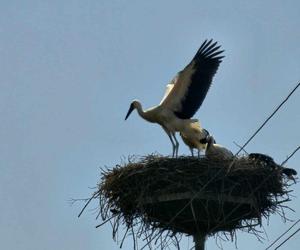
<point x="176" y="145"/>
<point x="192" y="151"/>
<point x="171" y="139"/>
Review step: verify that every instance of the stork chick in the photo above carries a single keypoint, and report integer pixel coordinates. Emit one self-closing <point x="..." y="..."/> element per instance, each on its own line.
<point x="216" y="151"/>
<point x="193" y="136"/>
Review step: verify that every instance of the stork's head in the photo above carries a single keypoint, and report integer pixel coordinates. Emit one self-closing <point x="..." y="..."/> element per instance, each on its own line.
<point x="205" y="134"/>
<point x="135" y="104"/>
<point x="210" y="139"/>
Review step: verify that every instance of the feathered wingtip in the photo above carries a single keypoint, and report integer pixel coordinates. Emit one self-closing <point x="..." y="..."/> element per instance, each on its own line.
<point x="209" y="50"/>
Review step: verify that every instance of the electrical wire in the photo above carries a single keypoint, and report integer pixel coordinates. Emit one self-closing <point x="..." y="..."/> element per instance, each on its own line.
<point x="285" y="161"/>
<point x="288" y="238"/>
<point x="279" y="237"/>
<point x="254" y="134"/>
<point x="265" y="122"/>
<point x="254" y="190"/>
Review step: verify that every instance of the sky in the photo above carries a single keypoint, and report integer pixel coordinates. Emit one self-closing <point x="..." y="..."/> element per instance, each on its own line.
<point x="68" y="72"/>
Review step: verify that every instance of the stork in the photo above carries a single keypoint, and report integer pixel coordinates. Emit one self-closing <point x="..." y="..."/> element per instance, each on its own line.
<point x="269" y="161"/>
<point x="184" y="94"/>
<point x="194" y="137"/>
<point x="216" y="151"/>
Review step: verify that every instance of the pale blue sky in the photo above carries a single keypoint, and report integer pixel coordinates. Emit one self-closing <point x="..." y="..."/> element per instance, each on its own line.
<point x="69" y="70"/>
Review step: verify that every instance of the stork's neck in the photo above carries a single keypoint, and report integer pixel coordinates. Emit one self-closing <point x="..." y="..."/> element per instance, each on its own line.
<point x="209" y="143"/>
<point x="144" y="114"/>
<point x="140" y="110"/>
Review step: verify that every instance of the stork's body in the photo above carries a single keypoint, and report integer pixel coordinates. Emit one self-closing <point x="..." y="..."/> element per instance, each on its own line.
<point x="167" y="120"/>
<point x="194" y="136"/>
<point x="184" y="95"/>
<point x="216" y="151"/>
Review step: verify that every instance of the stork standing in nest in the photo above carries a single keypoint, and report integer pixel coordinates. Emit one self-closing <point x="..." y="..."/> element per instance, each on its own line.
<point x="184" y="94"/>
<point x="194" y="136"/>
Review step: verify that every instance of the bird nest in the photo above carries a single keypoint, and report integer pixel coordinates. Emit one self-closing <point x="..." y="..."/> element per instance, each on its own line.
<point x="155" y="195"/>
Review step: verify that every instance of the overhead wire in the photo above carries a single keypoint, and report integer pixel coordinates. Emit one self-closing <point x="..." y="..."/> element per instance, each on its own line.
<point x="254" y="190"/>
<point x="285" y="161"/>
<point x="234" y="209"/>
<point x="245" y="144"/>
<point x="284" y="233"/>
<point x="287" y="239"/>
<point x="254" y="134"/>
<point x="265" y="122"/>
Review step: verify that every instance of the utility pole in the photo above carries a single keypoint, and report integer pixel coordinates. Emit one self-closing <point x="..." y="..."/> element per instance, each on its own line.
<point x="199" y="240"/>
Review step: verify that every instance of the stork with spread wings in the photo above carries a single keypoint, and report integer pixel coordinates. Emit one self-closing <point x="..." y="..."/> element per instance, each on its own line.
<point x="184" y="94"/>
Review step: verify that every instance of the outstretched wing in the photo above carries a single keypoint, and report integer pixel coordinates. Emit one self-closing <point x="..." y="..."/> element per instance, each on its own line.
<point x="169" y="87"/>
<point x="191" y="85"/>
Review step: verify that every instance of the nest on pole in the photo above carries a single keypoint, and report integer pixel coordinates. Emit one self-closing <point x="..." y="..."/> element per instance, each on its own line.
<point x="154" y="196"/>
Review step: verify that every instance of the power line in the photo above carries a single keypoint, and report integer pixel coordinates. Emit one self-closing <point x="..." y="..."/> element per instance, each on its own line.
<point x="265" y="122"/>
<point x="255" y="133"/>
<point x="254" y="190"/>
<point x="233" y="210"/>
<point x="288" y="238"/>
<point x="285" y="161"/>
<point x="279" y="237"/>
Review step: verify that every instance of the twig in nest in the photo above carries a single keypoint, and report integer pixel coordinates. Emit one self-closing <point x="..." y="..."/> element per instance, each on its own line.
<point x="88" y="202"/>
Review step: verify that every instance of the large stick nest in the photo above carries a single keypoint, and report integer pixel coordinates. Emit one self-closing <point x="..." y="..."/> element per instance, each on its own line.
<point x="188" y="195"/>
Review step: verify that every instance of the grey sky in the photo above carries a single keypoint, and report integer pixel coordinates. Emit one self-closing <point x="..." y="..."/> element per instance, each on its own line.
<point x="68" y="71"/>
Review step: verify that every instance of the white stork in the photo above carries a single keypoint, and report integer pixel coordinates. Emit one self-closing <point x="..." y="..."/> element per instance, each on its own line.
<point x="184" y="94"/>
<point x="216" y="151"/>
<point x="194" y="137"/>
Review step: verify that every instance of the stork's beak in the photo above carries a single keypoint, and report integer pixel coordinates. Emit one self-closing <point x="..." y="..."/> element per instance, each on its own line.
<point x="213" y="140"/>
<point x="209" y="137"/>
<point x="131" y="108"/>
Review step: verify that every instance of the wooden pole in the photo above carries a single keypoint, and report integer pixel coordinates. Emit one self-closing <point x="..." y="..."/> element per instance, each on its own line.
<point x="199" y="240"/>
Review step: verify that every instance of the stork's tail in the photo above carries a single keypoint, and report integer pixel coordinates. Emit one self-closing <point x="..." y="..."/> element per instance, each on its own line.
<point x="268" y="161"/>
<point x="289" y="172"/>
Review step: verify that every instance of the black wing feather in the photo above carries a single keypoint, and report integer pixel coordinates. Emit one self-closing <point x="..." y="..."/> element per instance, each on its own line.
<point x="207" y="61"/>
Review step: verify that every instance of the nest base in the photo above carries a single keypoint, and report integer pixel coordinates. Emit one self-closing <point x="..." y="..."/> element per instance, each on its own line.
<point x="154" y="195"/>
<point x="192" y="213"/>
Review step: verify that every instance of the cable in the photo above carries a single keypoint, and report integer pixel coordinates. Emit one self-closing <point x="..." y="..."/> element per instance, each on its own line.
<point x="285" y="161"/>
<point x="274" y="112"/>
<point x="279" y="237"/>
<point x="255" y="133"/>
<point x="254" y="190"/>
<point x="288" y="238"/>
<point x="232" y="211"/>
